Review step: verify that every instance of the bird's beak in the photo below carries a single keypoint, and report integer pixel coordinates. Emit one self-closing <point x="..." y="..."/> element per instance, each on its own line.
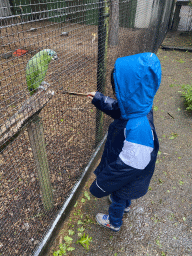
<point x="55" y="57"/>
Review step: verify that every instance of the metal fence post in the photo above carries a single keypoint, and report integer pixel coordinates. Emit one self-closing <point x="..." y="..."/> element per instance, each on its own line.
<point x="176" y="17"/>
<point x="157" y="40"/>
<point x="101" y="67"/>
<point x="36" y="137"/>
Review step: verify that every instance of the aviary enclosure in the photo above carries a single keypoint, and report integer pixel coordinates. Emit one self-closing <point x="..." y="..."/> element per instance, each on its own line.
<point x="47" y="139"/>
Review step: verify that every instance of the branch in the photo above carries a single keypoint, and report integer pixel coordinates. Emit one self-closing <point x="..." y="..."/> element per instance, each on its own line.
<point x="30" y="107"/>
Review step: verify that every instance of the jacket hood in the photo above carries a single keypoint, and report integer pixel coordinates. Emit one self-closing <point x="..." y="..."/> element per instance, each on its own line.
<point x="137" y="79"/>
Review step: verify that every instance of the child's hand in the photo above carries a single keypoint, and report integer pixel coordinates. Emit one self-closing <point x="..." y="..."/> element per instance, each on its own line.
<point x="91" y="95"/>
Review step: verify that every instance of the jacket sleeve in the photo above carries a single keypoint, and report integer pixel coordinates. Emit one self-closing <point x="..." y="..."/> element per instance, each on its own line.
<point x="106" y="104"/>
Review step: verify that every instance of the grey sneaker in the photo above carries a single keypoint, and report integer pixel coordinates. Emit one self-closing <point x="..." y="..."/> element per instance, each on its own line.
<point x="103" y="220"/>
<point x="127" y="209"/>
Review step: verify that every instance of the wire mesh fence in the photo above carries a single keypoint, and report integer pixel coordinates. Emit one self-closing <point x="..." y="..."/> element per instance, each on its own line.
<point x="46" y="136"/>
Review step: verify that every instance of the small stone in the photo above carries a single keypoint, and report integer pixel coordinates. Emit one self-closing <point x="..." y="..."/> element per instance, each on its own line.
<point x="25" y="226"/>
<point x="59" y="178"/>
<point x="6" y="55"/>
<point x="64" y="33"/>
<point x="32" y="29"/>
<point x="36" y="242"/>
<point x="33" y="179"/>
<point x="139" y="210"/>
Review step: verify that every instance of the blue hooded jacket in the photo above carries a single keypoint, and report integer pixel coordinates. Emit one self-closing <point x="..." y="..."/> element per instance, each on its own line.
<point x="130" y="152"/>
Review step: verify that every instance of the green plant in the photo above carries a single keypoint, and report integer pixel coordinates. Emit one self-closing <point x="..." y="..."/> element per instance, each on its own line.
<point x="84" y="241"/>
<point x="158" y="243"/>
<point x="173" y="136"/>
<point x="86" y="194"/>
<point x="63" y="249"/>
<point x="187" y="94"/>
<point x="155" y="108"/>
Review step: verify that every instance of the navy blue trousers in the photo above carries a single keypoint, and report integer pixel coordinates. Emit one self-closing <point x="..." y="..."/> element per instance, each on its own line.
<point x="116" y="210"/>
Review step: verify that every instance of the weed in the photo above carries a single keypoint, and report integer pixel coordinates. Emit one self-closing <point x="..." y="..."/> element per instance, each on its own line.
<point x="155" y="218"/>
<point x="158" y="243"/>
<point x="63" y="248"/>
<point x="187" y="94"/>
<point x="173" y="136"/>
<point x="79" y="222"/>
<point x="155" y="108"/>
<point x="88" y="220"/>
<point x="71" y="232"/>
<point x="86" y="194"/>
<point x="181" y="61"/>
<point x="171" y="216"/>
<point x="81" y="229"/>
<point x="84" y="241"/>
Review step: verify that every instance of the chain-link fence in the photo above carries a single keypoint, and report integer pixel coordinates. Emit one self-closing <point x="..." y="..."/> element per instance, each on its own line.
<point x="47" y="136"/>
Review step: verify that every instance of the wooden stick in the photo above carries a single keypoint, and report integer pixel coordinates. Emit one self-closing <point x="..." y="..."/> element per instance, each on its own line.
<point x="76" y="93"/>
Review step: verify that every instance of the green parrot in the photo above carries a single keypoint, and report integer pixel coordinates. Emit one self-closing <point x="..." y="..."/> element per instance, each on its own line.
<point x="37" y="68"/>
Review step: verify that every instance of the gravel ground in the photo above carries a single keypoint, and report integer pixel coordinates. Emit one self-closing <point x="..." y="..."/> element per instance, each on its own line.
<point x="160" y="223"/>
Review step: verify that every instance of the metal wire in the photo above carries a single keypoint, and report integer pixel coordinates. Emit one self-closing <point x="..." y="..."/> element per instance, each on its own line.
<point x="47" y="139"/>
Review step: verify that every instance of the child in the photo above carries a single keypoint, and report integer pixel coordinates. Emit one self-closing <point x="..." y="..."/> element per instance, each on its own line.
<point x="130" y="152"/>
